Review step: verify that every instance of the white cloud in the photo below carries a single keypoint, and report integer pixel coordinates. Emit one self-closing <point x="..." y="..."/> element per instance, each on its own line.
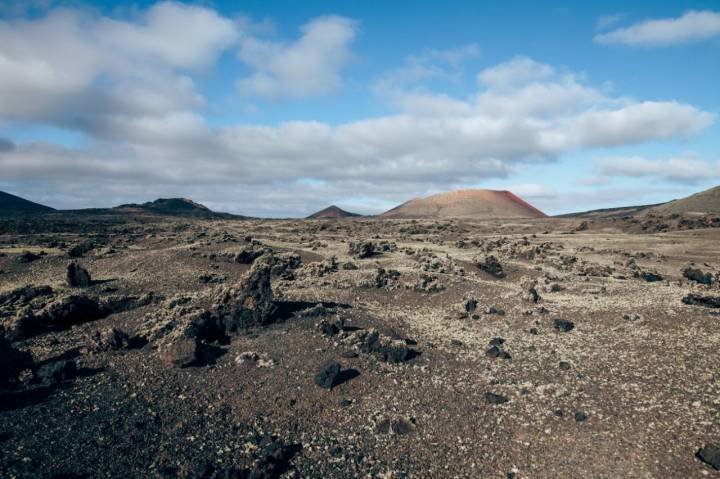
<point x="74" y="69"/>
<point x="146" y="128"/>
<point x="517" y="72"/>
<point x="679" y="170"/>
<point x="692" y="26"/>
<point x="607" y="21"/>
<point x="309" y="66"/>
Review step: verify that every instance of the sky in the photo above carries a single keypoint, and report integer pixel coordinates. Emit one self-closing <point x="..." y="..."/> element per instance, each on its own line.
<point x="279" y="109"/>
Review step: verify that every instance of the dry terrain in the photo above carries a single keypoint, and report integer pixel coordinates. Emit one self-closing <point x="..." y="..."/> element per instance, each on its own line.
<point x="535" y="348"/>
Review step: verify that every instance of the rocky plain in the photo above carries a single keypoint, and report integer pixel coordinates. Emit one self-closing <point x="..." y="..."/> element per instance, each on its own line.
<point x="141" y="345"/>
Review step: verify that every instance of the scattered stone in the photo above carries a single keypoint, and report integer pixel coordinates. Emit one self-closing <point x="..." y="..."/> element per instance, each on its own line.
<point x="12" y="362"/>
<point x="328" y="375"/>
<point x="697" y="300"/>
<point x="57" y="372"/>
<point x="491" y="265"/>
<point x="251" y="357"/>
<point x="427" y="284"/>
<point x="493" y="398"/>
<point x="248" y="303"/>
<point x="710" y="454"/>
<point x="180" y="351"/>
<point x="530" y="293"/>
<point x="28" y="257"/>
<point x="384" y="278"/>
<point x="564" y="325"/>
<point x="497" y="342"/>
<point x="81" y="249"/>
<point x="248" y="255"/>
<point x="362" y="249"/>
<point x="76" y="276"/>
<point x="497" y="352"/>
<point x="650" y="277"/>
<point x="110" y="339"/>
<point x="580" y="416"/>
<point x="564" y="365"/>
<point x="370" y="341"/>
<point x="331" y="327"/>
<point x="698" y="276"/>
<point x="399" y="425"/>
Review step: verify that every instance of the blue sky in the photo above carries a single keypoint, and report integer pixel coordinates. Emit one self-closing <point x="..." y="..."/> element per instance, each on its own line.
<point x="281" y="108"/>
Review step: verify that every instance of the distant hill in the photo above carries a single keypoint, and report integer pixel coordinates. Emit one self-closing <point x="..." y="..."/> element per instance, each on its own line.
<point x="332" y="212"/>
<point x="707" y="201"/>
<point x="173" y="207"/>
<point x="477" y="204"/>
<point x="609" y="212"/>
<point x="11" y="204"/>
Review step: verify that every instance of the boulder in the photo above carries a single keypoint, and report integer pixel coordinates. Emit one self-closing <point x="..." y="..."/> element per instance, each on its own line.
<point x="710" y="455"/>
<point x="362" y="249"/>
<point x="76" y="276"/>
<point x="564" y="325"/>
<point x="698" y="276"/>
<point x="328" y="375"/>
<point x="491" y="265"/>
<point x="248" y="303"/>
<point x="179" y="351"/>
<point x="12" y="361"/>
<point x="110" y="339"/>
<point x="56" y="372"/>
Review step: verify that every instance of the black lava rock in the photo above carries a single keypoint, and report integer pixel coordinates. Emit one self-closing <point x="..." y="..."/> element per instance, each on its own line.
<point x="492" y="266"/>
<point x="564" y="325"/>
<point x="76" y="276"/>
<point x="493" y="398"/>
<point x="56" y="372"/>
<point x="710" y="454"/>
<point x="697" y="300"/>
<point x="698" y="276"/>
<point x="497" y="352"/>
<point x="580" y="416"/>
<point x="28" y="257"/>
<point x="328" y="376"/>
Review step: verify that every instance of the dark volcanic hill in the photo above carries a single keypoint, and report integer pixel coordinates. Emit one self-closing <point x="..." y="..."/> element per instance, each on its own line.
<point x="707" y="201"/>
<point x="173" y="207"/>
<point x="332" y="212"/>
<point x="476" y="204"/>
<point x="11" y="204"/>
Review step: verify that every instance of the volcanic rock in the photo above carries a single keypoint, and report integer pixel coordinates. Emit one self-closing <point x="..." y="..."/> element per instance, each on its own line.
<point x="110" y="339"/>
<point x="328" y="375"/>
<point x="492" y="266"/>
<point x="493" y="398"/>
<point x="698" y="300"/>
<point x="564" y="325"/>
<point x="698" y="276"/>
<point x="12" y="361"/>
<point x="710" y="454"/>
<point x="76" y="276"/>
<point x="248" y="303"/>
<point x="362" y="249"/>
<point x="57" y="372"/>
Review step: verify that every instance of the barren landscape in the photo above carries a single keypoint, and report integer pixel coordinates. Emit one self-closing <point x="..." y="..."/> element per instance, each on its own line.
<point x="338" y="239"/>
<point x="358" y="348"/>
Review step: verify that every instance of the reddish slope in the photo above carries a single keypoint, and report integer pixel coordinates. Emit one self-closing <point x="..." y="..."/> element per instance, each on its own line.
<point x="481" y="204"/>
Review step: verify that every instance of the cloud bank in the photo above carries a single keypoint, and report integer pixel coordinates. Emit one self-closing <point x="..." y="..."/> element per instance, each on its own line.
<point x="692" y="26"/>
<point x="128" y="86"/>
